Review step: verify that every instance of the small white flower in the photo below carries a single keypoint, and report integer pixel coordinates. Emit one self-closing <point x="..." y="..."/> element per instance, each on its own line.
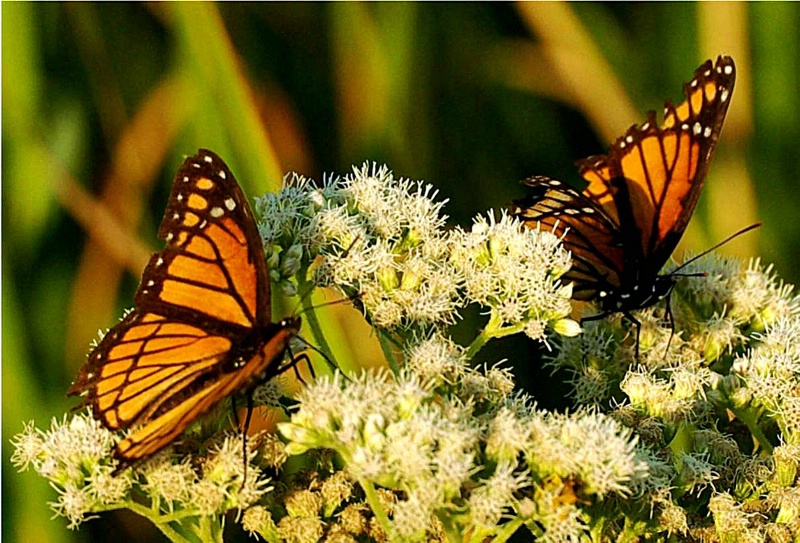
<point x="513" y="271"/>
<point x="489" y="501"/>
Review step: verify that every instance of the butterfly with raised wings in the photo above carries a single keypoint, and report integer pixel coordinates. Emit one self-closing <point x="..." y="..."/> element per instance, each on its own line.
<point x="201" y="328"/>
<point x="624" y="226"/>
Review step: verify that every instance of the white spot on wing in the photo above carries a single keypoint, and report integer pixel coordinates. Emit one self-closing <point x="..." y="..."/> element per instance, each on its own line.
<point x="222" y="174"/>
<point x="230" y="204"/>
<point x="208" y="159"/>
<point x="216" y="212"/>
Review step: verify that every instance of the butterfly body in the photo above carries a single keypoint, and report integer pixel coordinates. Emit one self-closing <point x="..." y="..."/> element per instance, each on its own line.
<point x="623" y="227"/>
<point x="201" y="328"/>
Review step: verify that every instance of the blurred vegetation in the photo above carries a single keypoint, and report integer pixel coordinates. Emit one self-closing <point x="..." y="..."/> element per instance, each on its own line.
<point x="101" y="102"/>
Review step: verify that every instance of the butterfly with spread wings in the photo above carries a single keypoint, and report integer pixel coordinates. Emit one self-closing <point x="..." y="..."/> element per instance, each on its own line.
<point x="201" y="329"/>
<point x="624" y="226"/>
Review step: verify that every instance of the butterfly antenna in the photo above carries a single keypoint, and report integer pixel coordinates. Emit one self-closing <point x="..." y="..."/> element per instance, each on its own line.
<point x="333" y="302"/>
<point x="713" y="248"/>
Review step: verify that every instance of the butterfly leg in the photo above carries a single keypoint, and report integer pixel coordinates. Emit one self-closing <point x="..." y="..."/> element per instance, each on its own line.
<point x="671" y="321"/>
<point x="244" y="428"/>
<point x="634" y="321"/>
<point x="296" y="362"/>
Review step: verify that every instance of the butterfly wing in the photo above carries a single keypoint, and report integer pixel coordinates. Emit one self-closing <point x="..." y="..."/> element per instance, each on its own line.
<point x="652" y="178"/>
<point x="171" y="414"/>
<point x="624" y="226"/>
<point x="213" y="252"/>
<point x="200" y="329"/>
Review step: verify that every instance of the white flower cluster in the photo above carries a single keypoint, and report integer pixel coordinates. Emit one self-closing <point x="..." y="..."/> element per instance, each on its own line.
<point x="732" y="346"/>
<point x="401" y="434"/>
<point x="75" y="456"/>
<point x="383" y="240"/>
<point x="515" y="273"/>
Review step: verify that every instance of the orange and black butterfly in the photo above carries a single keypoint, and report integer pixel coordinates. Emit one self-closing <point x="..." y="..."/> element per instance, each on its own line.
<point x="201" y="328"/>
<point x="624" y="226"/>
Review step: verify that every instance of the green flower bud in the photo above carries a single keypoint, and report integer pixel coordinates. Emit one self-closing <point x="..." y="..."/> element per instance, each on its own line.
<point x="566" y="328"/>
<point x="387" y="278"/>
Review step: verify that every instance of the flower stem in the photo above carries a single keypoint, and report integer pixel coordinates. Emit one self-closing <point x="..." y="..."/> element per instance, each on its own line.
<point x="377" y="509"/>
<point x="507" y="530"/>
<point x="748" y="417"/>
<point x="159" y="522"/>
<point x="311" y="317"/>
<point x="494" y="329"/>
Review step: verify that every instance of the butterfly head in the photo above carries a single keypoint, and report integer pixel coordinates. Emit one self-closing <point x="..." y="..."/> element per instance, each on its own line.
<point x="293" y="323"/>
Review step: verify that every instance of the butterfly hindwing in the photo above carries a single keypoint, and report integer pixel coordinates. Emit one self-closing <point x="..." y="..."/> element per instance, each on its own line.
<point x="170" y="419"/>
<point x="587" y="232"/>
<point x="144" y="362"/>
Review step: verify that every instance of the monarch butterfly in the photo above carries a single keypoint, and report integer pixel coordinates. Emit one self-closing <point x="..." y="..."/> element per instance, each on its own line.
<point x="623" y="227"/>
<point x="200" y="330"/>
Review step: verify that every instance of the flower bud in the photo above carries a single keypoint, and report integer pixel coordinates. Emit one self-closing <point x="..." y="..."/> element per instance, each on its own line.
<point x="387" y="278"/>
<point x="567" y="328"/>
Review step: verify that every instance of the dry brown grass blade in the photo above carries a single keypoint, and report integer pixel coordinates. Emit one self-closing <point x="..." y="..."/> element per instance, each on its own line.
<point x="111" y="221"/>
<point x="575" y="59"/>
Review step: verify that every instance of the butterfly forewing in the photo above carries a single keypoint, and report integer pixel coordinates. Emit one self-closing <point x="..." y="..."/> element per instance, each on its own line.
<point x="213" y="247"/>
<point x="200" y="330"/>
<point x="655" y="173"/>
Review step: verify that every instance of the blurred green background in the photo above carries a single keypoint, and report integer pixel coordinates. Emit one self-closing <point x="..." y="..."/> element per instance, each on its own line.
<point x="101" y="103"/>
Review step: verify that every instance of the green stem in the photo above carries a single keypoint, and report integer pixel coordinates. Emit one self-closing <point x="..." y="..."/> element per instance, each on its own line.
<point x="507" y="530"/>
<point x="478" y="343"/>
<point x="316" y="330"/>
<point x="377" y="509"/>
<point x="159" y="521"/>
<point x="494" y="329"/>
<point x="305" y="287"/>
<point x="450" y="530"/>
